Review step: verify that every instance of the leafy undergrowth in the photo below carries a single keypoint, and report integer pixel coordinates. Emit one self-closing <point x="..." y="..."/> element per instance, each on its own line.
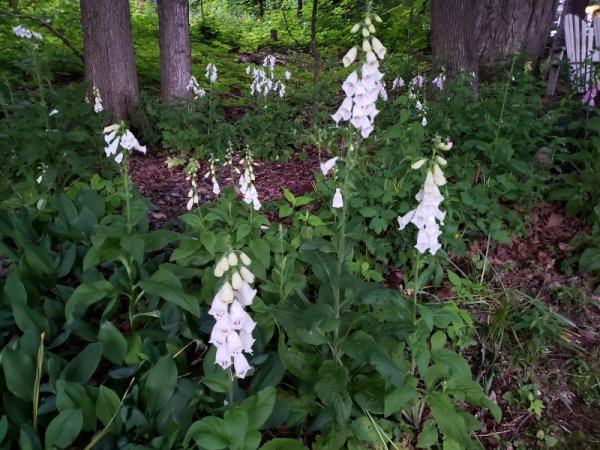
<point x="536" y="327"/>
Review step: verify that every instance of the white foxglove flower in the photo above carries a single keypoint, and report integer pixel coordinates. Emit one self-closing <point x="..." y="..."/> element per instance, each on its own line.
<point x="211" y="73"/>
<point x="378" y="47"/>
<point x="438" y="175"/>
<point x="218" y="309"/>
<point x="287" y="75"/>
<point x="372" y="59"/>
<point x="234" y="344"/>
<point x="338" y="201"/>
<point x="427" y="217"/>
<point x="128" y="141"/>
<point x="216" y="188"/>
<point x="424" y="121"/>
<point x="417" y="81"/>
<point x="241" y="366"/>
<point x="397" y="83"/>
<point x="247" y="340"/>
<point x="445" y="145"/>
<point x="328" y="165"/>
<point x="418" y="164"/>
<point x="225" y="294"/>
<point x="350" y="56"/>
<point x="245" y="295"/>
<point x="439" y="81"/>
<point x="53" y="112"/>
<point x="223" y="357"/>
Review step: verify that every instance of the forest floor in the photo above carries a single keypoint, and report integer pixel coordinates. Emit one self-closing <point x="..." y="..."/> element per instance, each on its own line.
<point x="527" y="267"/>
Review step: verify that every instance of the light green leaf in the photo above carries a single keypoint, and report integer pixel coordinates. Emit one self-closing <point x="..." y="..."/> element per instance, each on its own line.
<point x="115" y="344"/>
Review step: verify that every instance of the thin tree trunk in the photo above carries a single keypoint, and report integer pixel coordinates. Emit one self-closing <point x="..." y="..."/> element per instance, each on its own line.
<point x="313" y="44"/>
<point x="261" y="8"/>
<point x="299" y="9"/>
<point x="175" y="48"/>
<point x="109" y="54"/>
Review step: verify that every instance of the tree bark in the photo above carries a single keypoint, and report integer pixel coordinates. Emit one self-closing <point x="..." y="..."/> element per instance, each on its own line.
<point x="261" y="8"/>
<point x="299" y="9"/>
<point x="511" y="26"/>
<point x="109" y="55"/>
<point x="313" y="44"/>
<point x="175" y="48"/>
<point x="452" y="30"/>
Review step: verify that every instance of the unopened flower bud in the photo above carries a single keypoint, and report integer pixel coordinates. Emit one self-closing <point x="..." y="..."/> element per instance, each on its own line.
<point x="221" y="267"/>
<point x="365" y="32"/>
<point x="441" y="161"/>
<point x="418" y="164"/>
<point x="247" y="275"/>
<point x="372" y="28"/>
<point x="245" y="259"/>
<point x="232" y="259"/>
<point x="438" y="175"/>
<point x="368" y="21"/>
<point x="236" y="281"/>
<point x="355" y="28"/>
<point x="366" y="46"/>
<point x="377" y="18"/>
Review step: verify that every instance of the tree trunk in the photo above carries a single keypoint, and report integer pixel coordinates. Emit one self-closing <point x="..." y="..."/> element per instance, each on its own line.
<point x="313" y="44"/>
<point x="261" y="8"/>
<point x="510" y="26"/>
<point x="175" y="48"/>
<point x="109" y="55"/>
<point x="299" y="9"/>
<point x="452" y="30"/>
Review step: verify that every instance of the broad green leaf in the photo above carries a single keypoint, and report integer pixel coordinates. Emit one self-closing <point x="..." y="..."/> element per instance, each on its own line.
<point x="259" y="407"/>
<point x="160" y="384"/>
<point x="590" y="260"/>
<point x="332" y="389"/>
<point x="71" y="395"/>
<point x="107" y="404"/>
<point x="19" y="373"/>
<point x="14" y="290"/>
<point x="454" y="279"/>
<point x="397" y="397"/>
<point x="261" y="251"/>
<point x="209" y="433"/>
<point x="242" y="231"/>
<point x="167" y="286"/>
<point x="3" y="428"/>
<point x="209" y="241"/>
<point x="448" y="420"/>
<point x="28" y="438"/>
<point x="86" y="295"/>
<point x="81" y="368"/>
<point x="64" y="428"/>
<point x="115" y="344"/>
<point x="428" y="436"/>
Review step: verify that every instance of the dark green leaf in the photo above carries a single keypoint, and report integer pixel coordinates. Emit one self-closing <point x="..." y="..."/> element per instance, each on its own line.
<point x="64" y="428"/>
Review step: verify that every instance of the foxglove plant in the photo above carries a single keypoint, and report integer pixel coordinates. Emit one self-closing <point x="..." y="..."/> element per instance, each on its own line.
<point x="98" y="108"/>
<point x="427" y="216"/>
<point x="194" y="87"/>
<point x="120" y="141"/>
<point x="212" y="173"/>
<point x="191" y="171"/>
<point x="211" y="73"/>
<point x="264" y="81"/>
<point x="359" y="106"/>
<point x="415" y="92"/>
<point x="26" y="33"/>
<point x="232" y="332"/>
<point x="246" y="181"/>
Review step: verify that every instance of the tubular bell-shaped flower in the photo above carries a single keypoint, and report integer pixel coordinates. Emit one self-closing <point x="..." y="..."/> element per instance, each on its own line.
<point x="232" y="332"/>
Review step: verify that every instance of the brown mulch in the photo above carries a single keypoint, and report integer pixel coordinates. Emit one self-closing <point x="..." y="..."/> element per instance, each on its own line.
<point x="167" y="187"/>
